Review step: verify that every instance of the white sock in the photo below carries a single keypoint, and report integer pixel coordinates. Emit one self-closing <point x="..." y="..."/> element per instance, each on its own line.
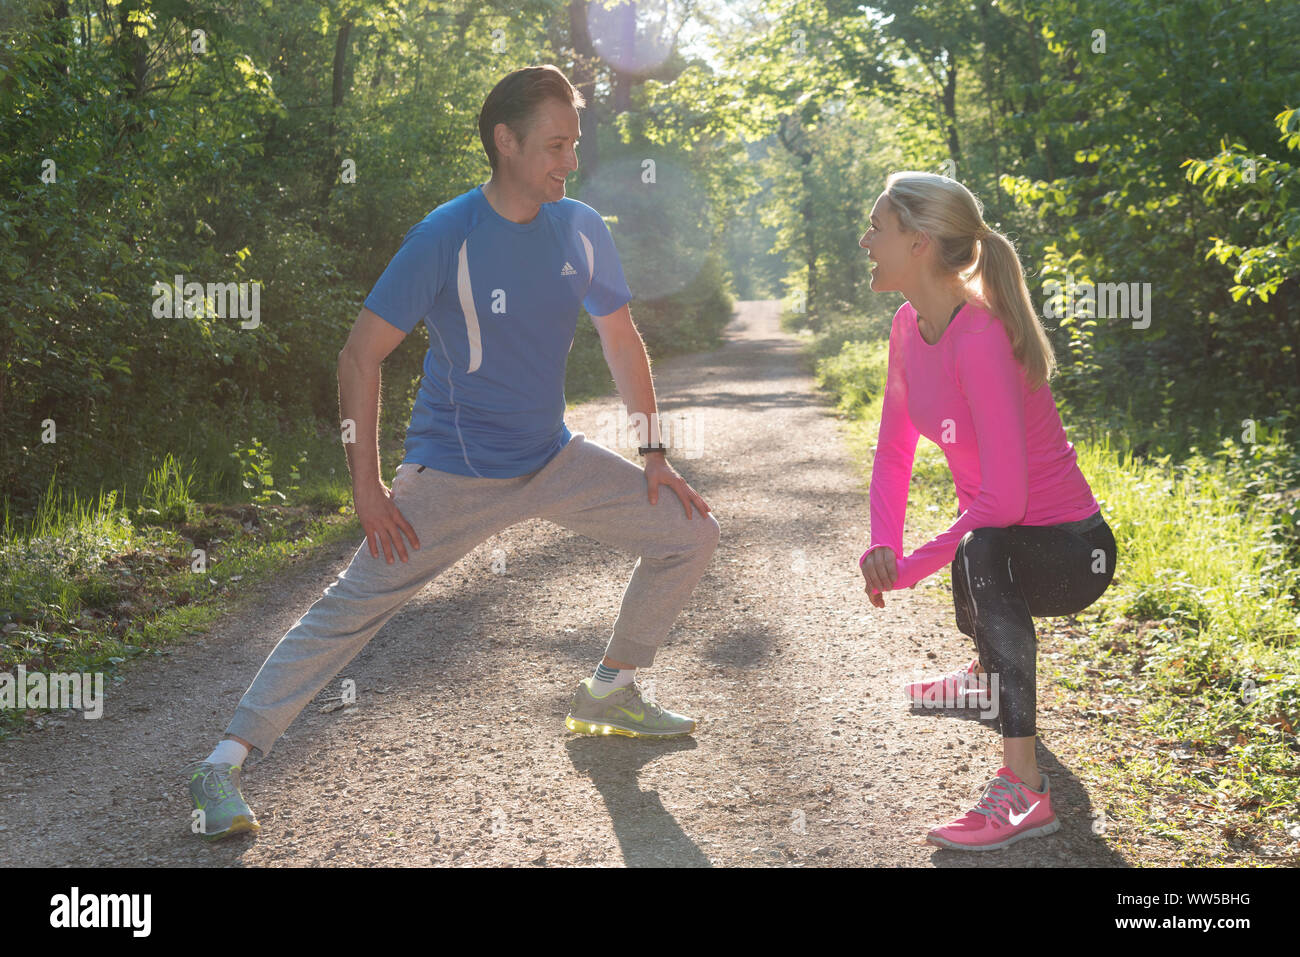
<point x="229" y="751"/>
<point x="606" y="679"/>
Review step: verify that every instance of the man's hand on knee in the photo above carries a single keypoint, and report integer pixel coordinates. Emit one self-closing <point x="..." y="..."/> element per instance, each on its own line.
<point x="383" y="522"/>
<point x="659" y="472"/>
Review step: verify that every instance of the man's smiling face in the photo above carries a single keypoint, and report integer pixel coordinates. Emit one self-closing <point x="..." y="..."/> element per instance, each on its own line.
<point x="538" y="164"/>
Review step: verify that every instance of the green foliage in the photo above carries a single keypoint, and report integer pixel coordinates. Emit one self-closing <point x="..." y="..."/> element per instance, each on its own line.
<point x="256" y="465"/>
<point x="44" y="569"/>
<point x="1263" y="466"/>
<point x="1200" y="559"/>
<point x="687" y="321"/>
<point x="1270" y="216"/>
<point x="691" y="320"/>
<point x="166" y="496"/>
<point x="1172" y="81"/>
<point x="255" y="469"/>
<point x="856" y="375"/>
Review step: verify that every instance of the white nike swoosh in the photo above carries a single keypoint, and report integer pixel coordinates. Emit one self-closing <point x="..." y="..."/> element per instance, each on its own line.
<point x="1017" y="818"/>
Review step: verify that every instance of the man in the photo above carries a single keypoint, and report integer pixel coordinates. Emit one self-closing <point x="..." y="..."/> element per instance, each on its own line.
<point x="497" y="274"/>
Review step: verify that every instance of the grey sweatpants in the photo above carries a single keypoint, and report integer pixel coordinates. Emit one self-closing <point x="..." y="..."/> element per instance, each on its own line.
<point x="586" y="488"/>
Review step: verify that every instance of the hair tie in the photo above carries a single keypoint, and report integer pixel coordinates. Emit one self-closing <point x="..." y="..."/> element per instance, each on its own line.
<point x="982" y="232"/>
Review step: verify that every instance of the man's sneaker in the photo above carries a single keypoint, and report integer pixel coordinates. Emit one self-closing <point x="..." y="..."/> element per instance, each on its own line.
<point x="623" y="711"/>
<point x="1008" y="812"/>
<point x="961" y="689"/>
<point x="214" y="790"/>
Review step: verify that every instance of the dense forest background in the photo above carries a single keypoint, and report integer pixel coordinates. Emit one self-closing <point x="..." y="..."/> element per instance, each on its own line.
<point x="292" y="145"/>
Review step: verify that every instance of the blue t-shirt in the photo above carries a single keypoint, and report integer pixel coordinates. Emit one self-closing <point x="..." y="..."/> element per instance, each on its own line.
<point x="501" y="302"/>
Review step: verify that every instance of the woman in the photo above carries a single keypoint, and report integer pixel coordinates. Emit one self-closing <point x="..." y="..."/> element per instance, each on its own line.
<point x="968" y="369"/>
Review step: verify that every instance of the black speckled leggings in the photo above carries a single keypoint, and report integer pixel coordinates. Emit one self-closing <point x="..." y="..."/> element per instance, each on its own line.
<point x="1001" y="577"/>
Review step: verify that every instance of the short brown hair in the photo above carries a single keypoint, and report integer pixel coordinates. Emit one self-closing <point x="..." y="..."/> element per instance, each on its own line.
<point x="514" y="100"/>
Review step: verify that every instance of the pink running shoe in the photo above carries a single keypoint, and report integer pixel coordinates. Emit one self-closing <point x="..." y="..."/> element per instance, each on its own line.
<point x="1008" y="812"/>
<point x="961" y="689"/>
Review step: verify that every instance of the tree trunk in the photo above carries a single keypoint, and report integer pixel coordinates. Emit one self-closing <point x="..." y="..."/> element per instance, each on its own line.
<point x="332" y="153"/>
<point x="806" y="212"/>
<point x="584" y="78"/>
<point x="623" y="80"/>
<point x="950" y="108"/>
<point x="133" y="63"/>
<point x="379" y="64"/>
<point x="59" y="14"/>
<point x="810" y="232"/>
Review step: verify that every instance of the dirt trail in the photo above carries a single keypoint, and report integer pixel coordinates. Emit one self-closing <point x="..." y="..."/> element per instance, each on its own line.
<point x="805" y="754"/>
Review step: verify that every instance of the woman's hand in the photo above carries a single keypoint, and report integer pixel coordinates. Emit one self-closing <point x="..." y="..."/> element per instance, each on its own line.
<point x="881" y="571"/>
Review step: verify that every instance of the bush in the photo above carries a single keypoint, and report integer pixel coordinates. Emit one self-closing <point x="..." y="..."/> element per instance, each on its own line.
<point x="856" y="375"/>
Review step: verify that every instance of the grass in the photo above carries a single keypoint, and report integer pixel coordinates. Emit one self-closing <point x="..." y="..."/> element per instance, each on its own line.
<point x="87" y="584"/>
<point x="167" y="491"/>
<point x="1203" y="614"/>
<point x="1190" y="669"/>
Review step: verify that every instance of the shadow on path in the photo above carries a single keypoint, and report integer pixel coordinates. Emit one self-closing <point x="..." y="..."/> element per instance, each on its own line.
<point x="648" y="834"/>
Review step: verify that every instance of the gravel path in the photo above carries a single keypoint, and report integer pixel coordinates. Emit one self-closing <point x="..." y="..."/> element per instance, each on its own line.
<point x="805" y="754"/>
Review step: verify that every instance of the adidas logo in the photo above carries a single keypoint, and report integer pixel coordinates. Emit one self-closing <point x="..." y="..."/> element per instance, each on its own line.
<point x="568" y="270"/>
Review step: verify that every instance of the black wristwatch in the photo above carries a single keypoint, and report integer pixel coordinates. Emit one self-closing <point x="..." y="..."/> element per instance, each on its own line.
<point x="645" y="450"/>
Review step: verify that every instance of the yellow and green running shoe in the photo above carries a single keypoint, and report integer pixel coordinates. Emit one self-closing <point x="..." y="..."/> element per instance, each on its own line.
<point x="623" y="711"/>
<point x="214" y="790"/>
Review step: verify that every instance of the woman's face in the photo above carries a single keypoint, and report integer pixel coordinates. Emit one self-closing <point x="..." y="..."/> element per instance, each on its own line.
<point x="889" y="247"/>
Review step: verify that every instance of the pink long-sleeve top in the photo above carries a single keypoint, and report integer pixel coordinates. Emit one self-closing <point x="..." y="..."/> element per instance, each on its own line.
<point x="1010" y="460"/>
